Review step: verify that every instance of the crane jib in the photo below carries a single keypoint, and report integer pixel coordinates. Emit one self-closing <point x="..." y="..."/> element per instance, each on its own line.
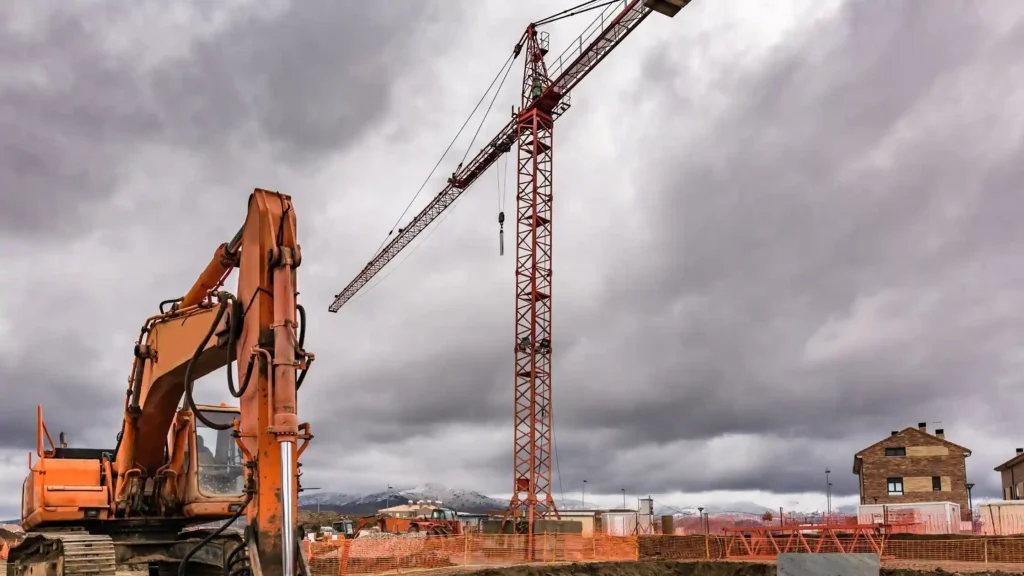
<point x="593" y="46"/>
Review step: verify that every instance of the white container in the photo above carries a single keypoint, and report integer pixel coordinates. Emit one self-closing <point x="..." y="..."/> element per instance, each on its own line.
<point x="913" y="517"/>
<point x="619" y="523"/>
<point x="1002" y="518"/>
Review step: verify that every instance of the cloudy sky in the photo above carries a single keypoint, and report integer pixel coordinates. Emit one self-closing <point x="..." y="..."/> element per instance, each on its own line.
<point x="784" y="229"/>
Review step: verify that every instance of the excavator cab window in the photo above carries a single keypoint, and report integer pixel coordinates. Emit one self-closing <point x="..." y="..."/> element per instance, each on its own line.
<point x="219" y="462"/>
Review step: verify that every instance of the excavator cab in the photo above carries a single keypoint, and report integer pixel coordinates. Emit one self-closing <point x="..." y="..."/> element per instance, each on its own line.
<point x="344" y="527"/>
<point x="443" y="514"/>
<point x="215" y="457"/>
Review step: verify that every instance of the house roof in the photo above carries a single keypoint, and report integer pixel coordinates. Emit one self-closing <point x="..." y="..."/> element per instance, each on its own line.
<point x="1010" y="463"/>
<point x="857" y="458"/>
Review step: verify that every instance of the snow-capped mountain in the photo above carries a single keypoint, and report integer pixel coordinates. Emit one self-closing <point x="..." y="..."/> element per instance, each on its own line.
<point x="457" y="499"/>
<point x="470" y="501"/>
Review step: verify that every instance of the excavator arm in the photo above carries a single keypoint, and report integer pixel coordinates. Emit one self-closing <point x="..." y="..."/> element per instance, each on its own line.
<point x="204" y="331"/>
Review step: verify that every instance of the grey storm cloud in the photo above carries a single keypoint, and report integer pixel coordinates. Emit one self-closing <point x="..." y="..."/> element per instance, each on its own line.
<point x="839" y="181"/>
<point x="825" y="254"/>
<point x="306" y="82"/>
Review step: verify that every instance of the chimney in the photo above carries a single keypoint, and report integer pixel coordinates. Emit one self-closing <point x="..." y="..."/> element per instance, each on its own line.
<point x="922" y="426"/>
<point x="1020" y="450"/>
<point x="894" y="432"/>
<point x="940" y="433"/>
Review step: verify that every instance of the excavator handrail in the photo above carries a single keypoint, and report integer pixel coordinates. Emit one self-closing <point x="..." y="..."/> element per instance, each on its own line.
<point x="43" y="435"/>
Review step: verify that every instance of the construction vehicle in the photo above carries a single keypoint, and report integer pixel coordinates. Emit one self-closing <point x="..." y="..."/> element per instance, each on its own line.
<point x="440" y="522"/>
<point x="344" y="527"/>
<point x="178" y="465"/>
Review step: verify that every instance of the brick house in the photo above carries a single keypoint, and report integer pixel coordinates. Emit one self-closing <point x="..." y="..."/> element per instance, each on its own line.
<point x="912" y="465"/>
<point x="1012" y="474"/>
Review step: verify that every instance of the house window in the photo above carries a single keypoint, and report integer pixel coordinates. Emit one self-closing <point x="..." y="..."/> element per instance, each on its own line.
<point x="900" y="451"/>
<point x="936" y="484"/>
<point x="895" y="486"/>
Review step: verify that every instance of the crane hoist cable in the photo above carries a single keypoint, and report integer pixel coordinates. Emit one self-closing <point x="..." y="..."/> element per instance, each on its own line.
<point x="505" y="68"/>
<point x="503" y="73"/>
<point x="502" y="192"/>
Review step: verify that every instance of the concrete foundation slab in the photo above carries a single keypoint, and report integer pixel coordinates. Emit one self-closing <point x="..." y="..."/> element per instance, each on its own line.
<point x="827" y="565"/>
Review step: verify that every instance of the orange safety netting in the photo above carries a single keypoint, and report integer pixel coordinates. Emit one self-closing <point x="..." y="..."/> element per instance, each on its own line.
<point x="378" y="555"/>
<point x="400" y="554"/>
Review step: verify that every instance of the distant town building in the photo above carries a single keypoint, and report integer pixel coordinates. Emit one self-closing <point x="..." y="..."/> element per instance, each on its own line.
<point x="912" y="465"/>
<point x="413" y="509"/>
<point x="1012" y="472"/>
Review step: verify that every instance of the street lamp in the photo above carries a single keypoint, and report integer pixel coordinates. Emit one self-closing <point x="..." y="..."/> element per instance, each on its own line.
<point x="583" y="495"/>
<point x="388" y="505"/>
<point x="970" y="504"/>
<point x="830" y="500"/>
<point x="317" y="502"/>
<point x="623" y="498"/>
<point x="828" y="493"/>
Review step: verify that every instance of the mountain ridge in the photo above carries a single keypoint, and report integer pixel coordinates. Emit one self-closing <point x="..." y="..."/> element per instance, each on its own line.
<point x="470" y="501"/>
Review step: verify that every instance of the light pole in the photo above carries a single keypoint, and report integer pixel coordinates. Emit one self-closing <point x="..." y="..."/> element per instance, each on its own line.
<point x="389" y="497"/>
<point x="828" y="493"/>
<point x="970" y="504"/>
<point x="830" y="500"/>
<point x="700" y="512"/>
<point x="623" y="498"/>
<point x="583" y="495"/>
<point x="317" y="502"/>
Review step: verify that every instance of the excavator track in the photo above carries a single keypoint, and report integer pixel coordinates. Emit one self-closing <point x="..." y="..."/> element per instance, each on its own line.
<point x="62" y="554"/>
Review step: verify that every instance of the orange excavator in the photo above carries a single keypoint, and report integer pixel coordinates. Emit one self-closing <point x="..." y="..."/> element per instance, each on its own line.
<point x="178" y="466"/>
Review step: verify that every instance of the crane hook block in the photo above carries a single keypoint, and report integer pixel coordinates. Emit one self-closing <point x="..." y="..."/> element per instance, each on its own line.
<point x="501" y="218"/>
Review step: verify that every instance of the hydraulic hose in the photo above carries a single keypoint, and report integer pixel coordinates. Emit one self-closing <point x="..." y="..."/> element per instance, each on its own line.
<point x="183" y="567"/>
<point x="302" y="341"/>
<point x="302" y="326"/>
<point x="236" y="318"/>
<point x="237" y="556"/>
<point x="189" y="382"/>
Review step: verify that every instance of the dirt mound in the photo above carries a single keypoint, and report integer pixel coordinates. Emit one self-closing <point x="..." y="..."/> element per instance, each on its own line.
<point x="668" y="568"/>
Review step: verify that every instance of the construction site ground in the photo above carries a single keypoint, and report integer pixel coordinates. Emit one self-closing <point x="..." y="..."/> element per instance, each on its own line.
<point x="701" y="568"/>
<point x="718" y="568"/>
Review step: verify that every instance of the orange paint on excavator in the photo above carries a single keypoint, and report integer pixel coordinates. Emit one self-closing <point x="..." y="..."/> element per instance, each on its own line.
<point x="177" y="463"/>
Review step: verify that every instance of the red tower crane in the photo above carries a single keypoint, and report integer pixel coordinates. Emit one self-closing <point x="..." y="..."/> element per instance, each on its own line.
<point x="545" y="96"/>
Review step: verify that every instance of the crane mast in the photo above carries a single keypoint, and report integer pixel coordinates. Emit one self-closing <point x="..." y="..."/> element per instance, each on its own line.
<point x="545" y="96"/>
